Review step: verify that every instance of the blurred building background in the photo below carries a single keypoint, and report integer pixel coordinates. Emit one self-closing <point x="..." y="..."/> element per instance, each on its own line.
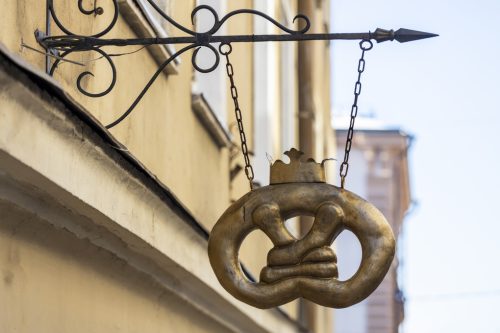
<point x="379" y="173"/>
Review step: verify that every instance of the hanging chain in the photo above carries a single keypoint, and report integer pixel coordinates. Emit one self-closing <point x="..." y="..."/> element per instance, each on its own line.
<point x="365" y="45"/>
<point x="225" y="49"/>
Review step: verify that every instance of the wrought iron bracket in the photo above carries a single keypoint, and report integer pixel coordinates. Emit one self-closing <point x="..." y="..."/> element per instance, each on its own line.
<point x="70" y="42"/>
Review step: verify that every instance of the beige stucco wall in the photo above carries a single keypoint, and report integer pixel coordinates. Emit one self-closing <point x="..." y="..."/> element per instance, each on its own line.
<point x="163" y="134"/>
<point x="93" y="195"/>
<point x="55" y="283"/>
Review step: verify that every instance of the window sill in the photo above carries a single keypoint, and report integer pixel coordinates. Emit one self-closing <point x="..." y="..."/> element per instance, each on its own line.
<point x="136" y="19"/>
<point x="209" y="120"/>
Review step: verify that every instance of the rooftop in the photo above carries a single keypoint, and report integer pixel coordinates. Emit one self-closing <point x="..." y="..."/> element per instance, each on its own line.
<point x="365" y="123"/>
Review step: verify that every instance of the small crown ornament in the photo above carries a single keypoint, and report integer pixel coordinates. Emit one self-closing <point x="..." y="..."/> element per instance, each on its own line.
<point x="298" y="170"/>
<point x="303" y="267"/>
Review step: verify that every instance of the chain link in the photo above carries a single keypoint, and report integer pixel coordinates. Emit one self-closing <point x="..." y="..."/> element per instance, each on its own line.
<point x="225" y="50"/>
<point x="365" y="45"/>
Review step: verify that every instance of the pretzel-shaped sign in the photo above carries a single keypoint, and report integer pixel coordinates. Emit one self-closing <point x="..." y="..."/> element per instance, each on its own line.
<point x="306" y="267"/>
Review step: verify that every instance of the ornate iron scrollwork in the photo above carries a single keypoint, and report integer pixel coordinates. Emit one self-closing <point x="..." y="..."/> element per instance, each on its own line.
<point x="72" y="42"/>
<point x="75" y="43"/>
<point x="84" y="74"/>
<point x="94" y="11"/>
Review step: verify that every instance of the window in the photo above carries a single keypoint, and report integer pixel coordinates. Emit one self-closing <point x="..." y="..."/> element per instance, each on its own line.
<point x="159" y="24"/>
<point x="146" y="22"/>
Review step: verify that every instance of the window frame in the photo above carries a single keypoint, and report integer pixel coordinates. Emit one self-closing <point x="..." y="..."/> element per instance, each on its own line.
<point x="145" y="25"/>
<point x="160" y="31"/>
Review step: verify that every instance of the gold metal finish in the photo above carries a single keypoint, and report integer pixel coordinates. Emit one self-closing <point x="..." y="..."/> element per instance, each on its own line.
<point x="298" y="171"/>
<point x="301" y="267"/>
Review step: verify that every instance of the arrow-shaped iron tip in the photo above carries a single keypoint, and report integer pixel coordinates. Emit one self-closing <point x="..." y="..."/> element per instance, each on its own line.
<point x="401" y="35"/>
<point x="406" y="35"/>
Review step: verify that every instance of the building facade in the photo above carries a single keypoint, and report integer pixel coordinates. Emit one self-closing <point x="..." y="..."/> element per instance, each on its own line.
<point x="378" y="172"/>
<point x="106" y="230"/>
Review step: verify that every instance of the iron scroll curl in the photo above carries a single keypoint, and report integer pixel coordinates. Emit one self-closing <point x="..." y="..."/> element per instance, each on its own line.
<point x="76" y="43"/>
<point x="95" y="11"/>
<point x="87" y="73"/>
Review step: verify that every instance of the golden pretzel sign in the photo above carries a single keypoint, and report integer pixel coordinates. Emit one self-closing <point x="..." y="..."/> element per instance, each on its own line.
<point x="301" y="267"/>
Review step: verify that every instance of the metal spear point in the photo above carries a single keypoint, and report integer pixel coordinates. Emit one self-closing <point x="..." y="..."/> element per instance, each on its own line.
<point x="401" y="35"/>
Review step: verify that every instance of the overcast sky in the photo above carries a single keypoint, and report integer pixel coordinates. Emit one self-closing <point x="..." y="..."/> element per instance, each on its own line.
<point x="445" y="92"/>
